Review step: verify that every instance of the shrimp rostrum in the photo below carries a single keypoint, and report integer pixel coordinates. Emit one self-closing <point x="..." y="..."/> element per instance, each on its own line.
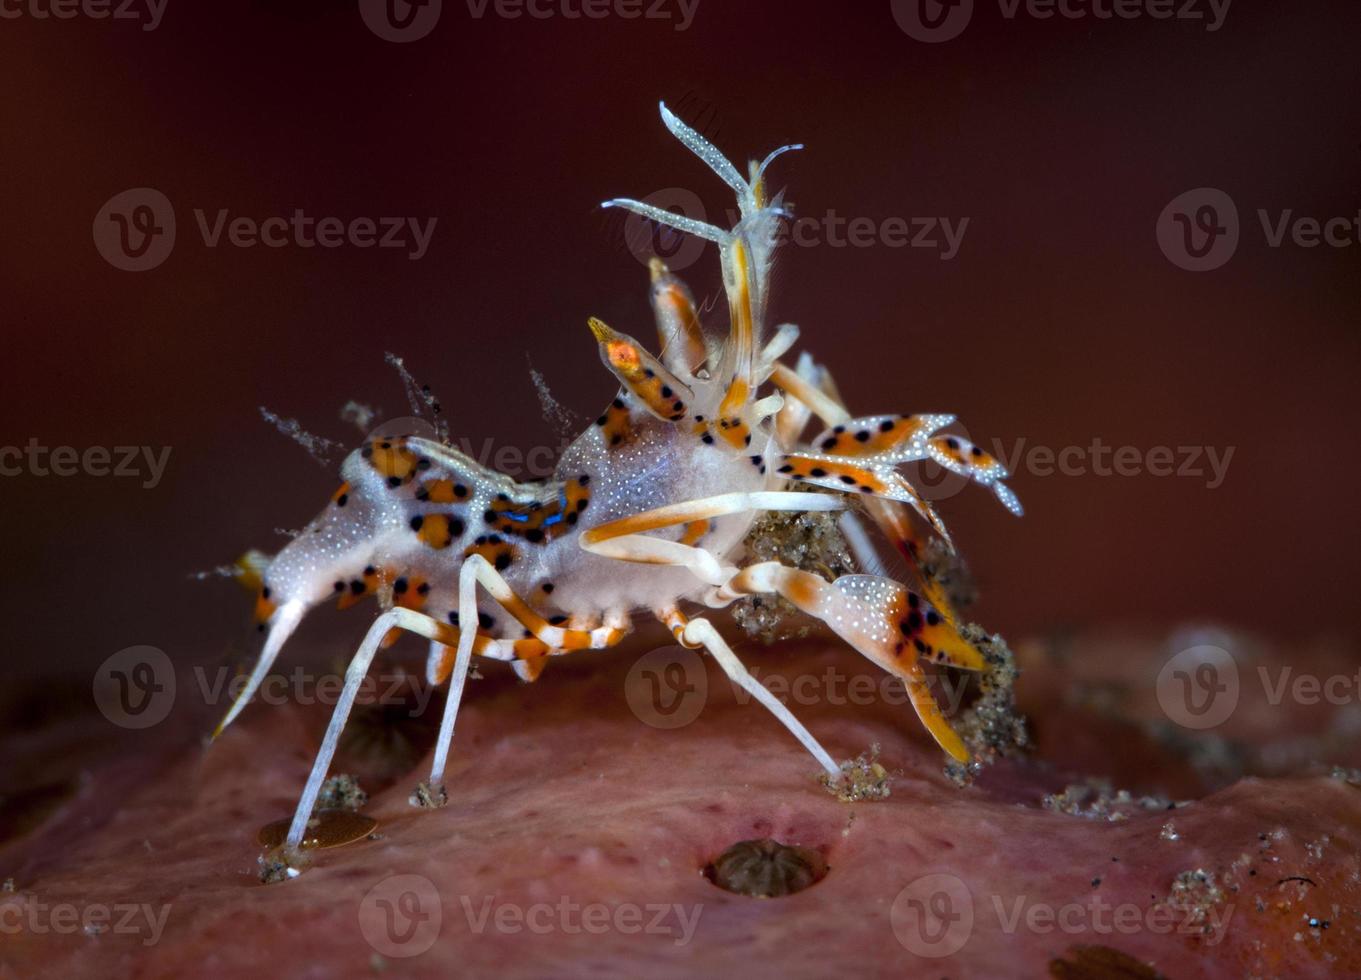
<point x="646" y="512"/>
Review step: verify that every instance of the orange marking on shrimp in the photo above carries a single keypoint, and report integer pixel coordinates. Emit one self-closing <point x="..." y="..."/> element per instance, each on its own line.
<point x="677" y="311"/>
<point x="497" y="552"/>
<point x="657" y="388"/>
<point x="615" y="425"/>
<point x="442" y="492"/>
<point x="879" y="437"/>
<point x="408" y="592"/>
<point x="538" y="521"/>
<point x="924" y="631"/>
<point x="730" y="425"/>
<point x="391" y="458"/>
<point x="694" y="531"/>
<point x="353" y="591"/>
<point x="851" y="478"/>
<point x="963" y="453"/>
<point x="437" y="531"/>
<point x="264" y="606"/>
<point x="638" y="523"/>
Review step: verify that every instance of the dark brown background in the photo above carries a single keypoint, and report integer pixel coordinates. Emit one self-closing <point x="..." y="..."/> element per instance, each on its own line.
<point x="1059" y="321"/>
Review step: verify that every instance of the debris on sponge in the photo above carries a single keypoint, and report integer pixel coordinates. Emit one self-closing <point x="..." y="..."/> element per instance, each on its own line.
<point x="1095" y="799"/>
<point x="281" y="863"/>
<point x="427" y="797"/>
<point x="862" y="778"/>
<point x="991" y="726"/>
<point x="341" y="792"/>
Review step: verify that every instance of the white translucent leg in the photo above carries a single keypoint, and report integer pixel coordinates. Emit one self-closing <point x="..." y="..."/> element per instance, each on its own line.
<point x="399" y="618"/>
<point x="463" y="656"/>
<point x="284" y="621"/>
<point x="702" y="633"/>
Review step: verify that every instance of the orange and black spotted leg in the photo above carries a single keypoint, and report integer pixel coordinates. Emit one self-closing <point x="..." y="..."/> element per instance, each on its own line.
<point x="734" y="422"/>
<point x="963" y="457"/>
<point x="812" y="386"/>
<point x="886" y="438"/>
<point x="684" y="347"/>
<point x="884" y="621"/>
<point x="660" y="391"/>
<point x="867" y="478"/>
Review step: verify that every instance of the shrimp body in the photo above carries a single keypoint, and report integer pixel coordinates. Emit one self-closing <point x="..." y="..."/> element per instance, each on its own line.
<point x="646" y="512"/>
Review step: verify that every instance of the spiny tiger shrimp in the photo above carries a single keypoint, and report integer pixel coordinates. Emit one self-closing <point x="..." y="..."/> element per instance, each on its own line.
<point x="645" y="514"/>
